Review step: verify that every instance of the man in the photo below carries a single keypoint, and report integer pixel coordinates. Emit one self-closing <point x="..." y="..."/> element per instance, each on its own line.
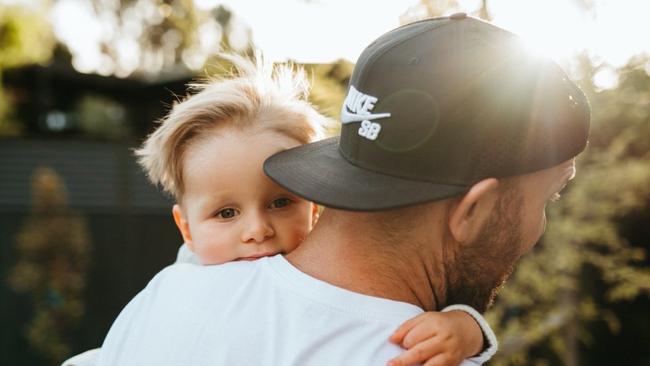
<point x="453" y="140"/>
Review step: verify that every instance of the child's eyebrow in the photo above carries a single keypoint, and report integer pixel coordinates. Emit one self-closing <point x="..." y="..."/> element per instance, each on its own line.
<point x="215" y="198"/>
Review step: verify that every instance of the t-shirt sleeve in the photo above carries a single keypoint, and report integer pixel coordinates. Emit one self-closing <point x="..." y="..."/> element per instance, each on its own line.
<point x="488" y="334"/>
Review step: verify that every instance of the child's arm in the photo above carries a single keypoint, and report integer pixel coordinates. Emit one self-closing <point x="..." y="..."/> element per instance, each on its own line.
<point x="445" y="338"/>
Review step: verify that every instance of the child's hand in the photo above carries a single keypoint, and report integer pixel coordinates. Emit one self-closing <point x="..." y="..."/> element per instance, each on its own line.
<point x="440" y="339"/>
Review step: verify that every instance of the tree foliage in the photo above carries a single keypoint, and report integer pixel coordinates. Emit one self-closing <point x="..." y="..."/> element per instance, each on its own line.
<point x="52" y="251"/>
<point x="545" y="303"/>
<point x="167" y="34"/>
<point x="329" y="87"/>
<point x="25" y="38"/>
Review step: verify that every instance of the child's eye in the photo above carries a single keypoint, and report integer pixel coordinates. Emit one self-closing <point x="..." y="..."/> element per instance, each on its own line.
<point x="280" y="202"/>
<point x="227" y="213"/>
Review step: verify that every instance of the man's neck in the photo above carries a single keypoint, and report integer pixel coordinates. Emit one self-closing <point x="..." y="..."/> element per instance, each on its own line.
<point x="342" y="255"/>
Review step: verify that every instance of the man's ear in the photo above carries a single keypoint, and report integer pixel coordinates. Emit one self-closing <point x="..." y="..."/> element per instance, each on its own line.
<point x="315" y="214"/>
<point x="467" y="216"/>
<point x="183" y="225"/>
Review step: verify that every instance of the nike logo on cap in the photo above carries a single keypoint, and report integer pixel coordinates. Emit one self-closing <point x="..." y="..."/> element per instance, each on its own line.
<point x="357" y="107"/>
<point x="347" y="117"/>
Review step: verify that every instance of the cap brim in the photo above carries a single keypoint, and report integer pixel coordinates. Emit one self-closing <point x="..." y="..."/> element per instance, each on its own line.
<point x="319" y="173"/>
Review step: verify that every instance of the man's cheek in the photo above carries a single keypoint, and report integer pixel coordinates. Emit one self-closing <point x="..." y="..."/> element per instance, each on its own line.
<point x="535" y="231"/>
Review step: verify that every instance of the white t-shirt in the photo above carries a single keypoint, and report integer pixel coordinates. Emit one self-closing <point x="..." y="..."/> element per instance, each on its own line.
<point x="264" y="312"/>
<point x="185" y="255"/>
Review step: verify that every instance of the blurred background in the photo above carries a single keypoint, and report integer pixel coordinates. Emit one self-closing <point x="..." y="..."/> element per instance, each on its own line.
<point x="81" y="231"/>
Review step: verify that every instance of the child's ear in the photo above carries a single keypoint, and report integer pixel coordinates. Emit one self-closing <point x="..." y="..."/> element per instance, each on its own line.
<point x="183" y="225"/>
<point x="315" y="213"/>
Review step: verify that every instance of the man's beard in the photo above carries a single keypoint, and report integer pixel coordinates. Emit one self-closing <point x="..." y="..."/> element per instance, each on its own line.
<point x="480" y="268"/>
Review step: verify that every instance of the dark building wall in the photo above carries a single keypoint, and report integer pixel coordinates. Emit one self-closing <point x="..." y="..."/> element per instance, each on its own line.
<point x="132" y="234"/>
<point x="99" y="176"/>
<point x="37" y="91"/>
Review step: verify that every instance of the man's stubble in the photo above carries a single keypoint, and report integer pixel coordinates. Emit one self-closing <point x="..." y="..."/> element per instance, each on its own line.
<point x="480" y="268"/>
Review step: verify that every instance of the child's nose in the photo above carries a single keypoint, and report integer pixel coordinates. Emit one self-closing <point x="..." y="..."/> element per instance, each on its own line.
<point x="258" y="229"/>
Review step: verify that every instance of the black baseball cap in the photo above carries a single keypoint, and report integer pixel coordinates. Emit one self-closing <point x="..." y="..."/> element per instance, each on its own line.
<point x="434" y="107"/>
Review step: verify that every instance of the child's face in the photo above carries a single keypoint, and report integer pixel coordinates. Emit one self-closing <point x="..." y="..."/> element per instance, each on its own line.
<point x="230" y="209"/>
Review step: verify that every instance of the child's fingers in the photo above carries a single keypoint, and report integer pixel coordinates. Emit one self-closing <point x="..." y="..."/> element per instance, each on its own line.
<point x="420" y="332"/>
<point x="418" y="354"/>
<point x="399" y="334"/>
<point x="442" y="360"/>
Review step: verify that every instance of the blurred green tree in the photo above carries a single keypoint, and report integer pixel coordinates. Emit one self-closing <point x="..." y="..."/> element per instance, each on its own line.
<point x="329" y="83"/>
<point x="25" y="38"/>
<point x="102" y="118"/>
<point x="545" y="302"/>
<point x="546" y="305"/>
<point x="52" y="251"/>
<point x="168" y="35"/>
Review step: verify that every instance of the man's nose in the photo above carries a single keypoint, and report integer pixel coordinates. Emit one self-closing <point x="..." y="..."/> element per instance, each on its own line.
<point x="258" y="229"/>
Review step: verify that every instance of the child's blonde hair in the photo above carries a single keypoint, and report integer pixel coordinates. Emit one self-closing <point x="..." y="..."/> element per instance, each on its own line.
<point x="257" y="95"/>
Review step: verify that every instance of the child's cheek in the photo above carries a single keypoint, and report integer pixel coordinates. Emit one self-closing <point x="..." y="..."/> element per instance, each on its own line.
<point x="213" y="253"/>
<point x="300" y="233"/>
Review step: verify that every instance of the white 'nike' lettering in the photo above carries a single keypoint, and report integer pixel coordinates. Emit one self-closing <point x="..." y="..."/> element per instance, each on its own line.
<point x="357" y="107"/>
